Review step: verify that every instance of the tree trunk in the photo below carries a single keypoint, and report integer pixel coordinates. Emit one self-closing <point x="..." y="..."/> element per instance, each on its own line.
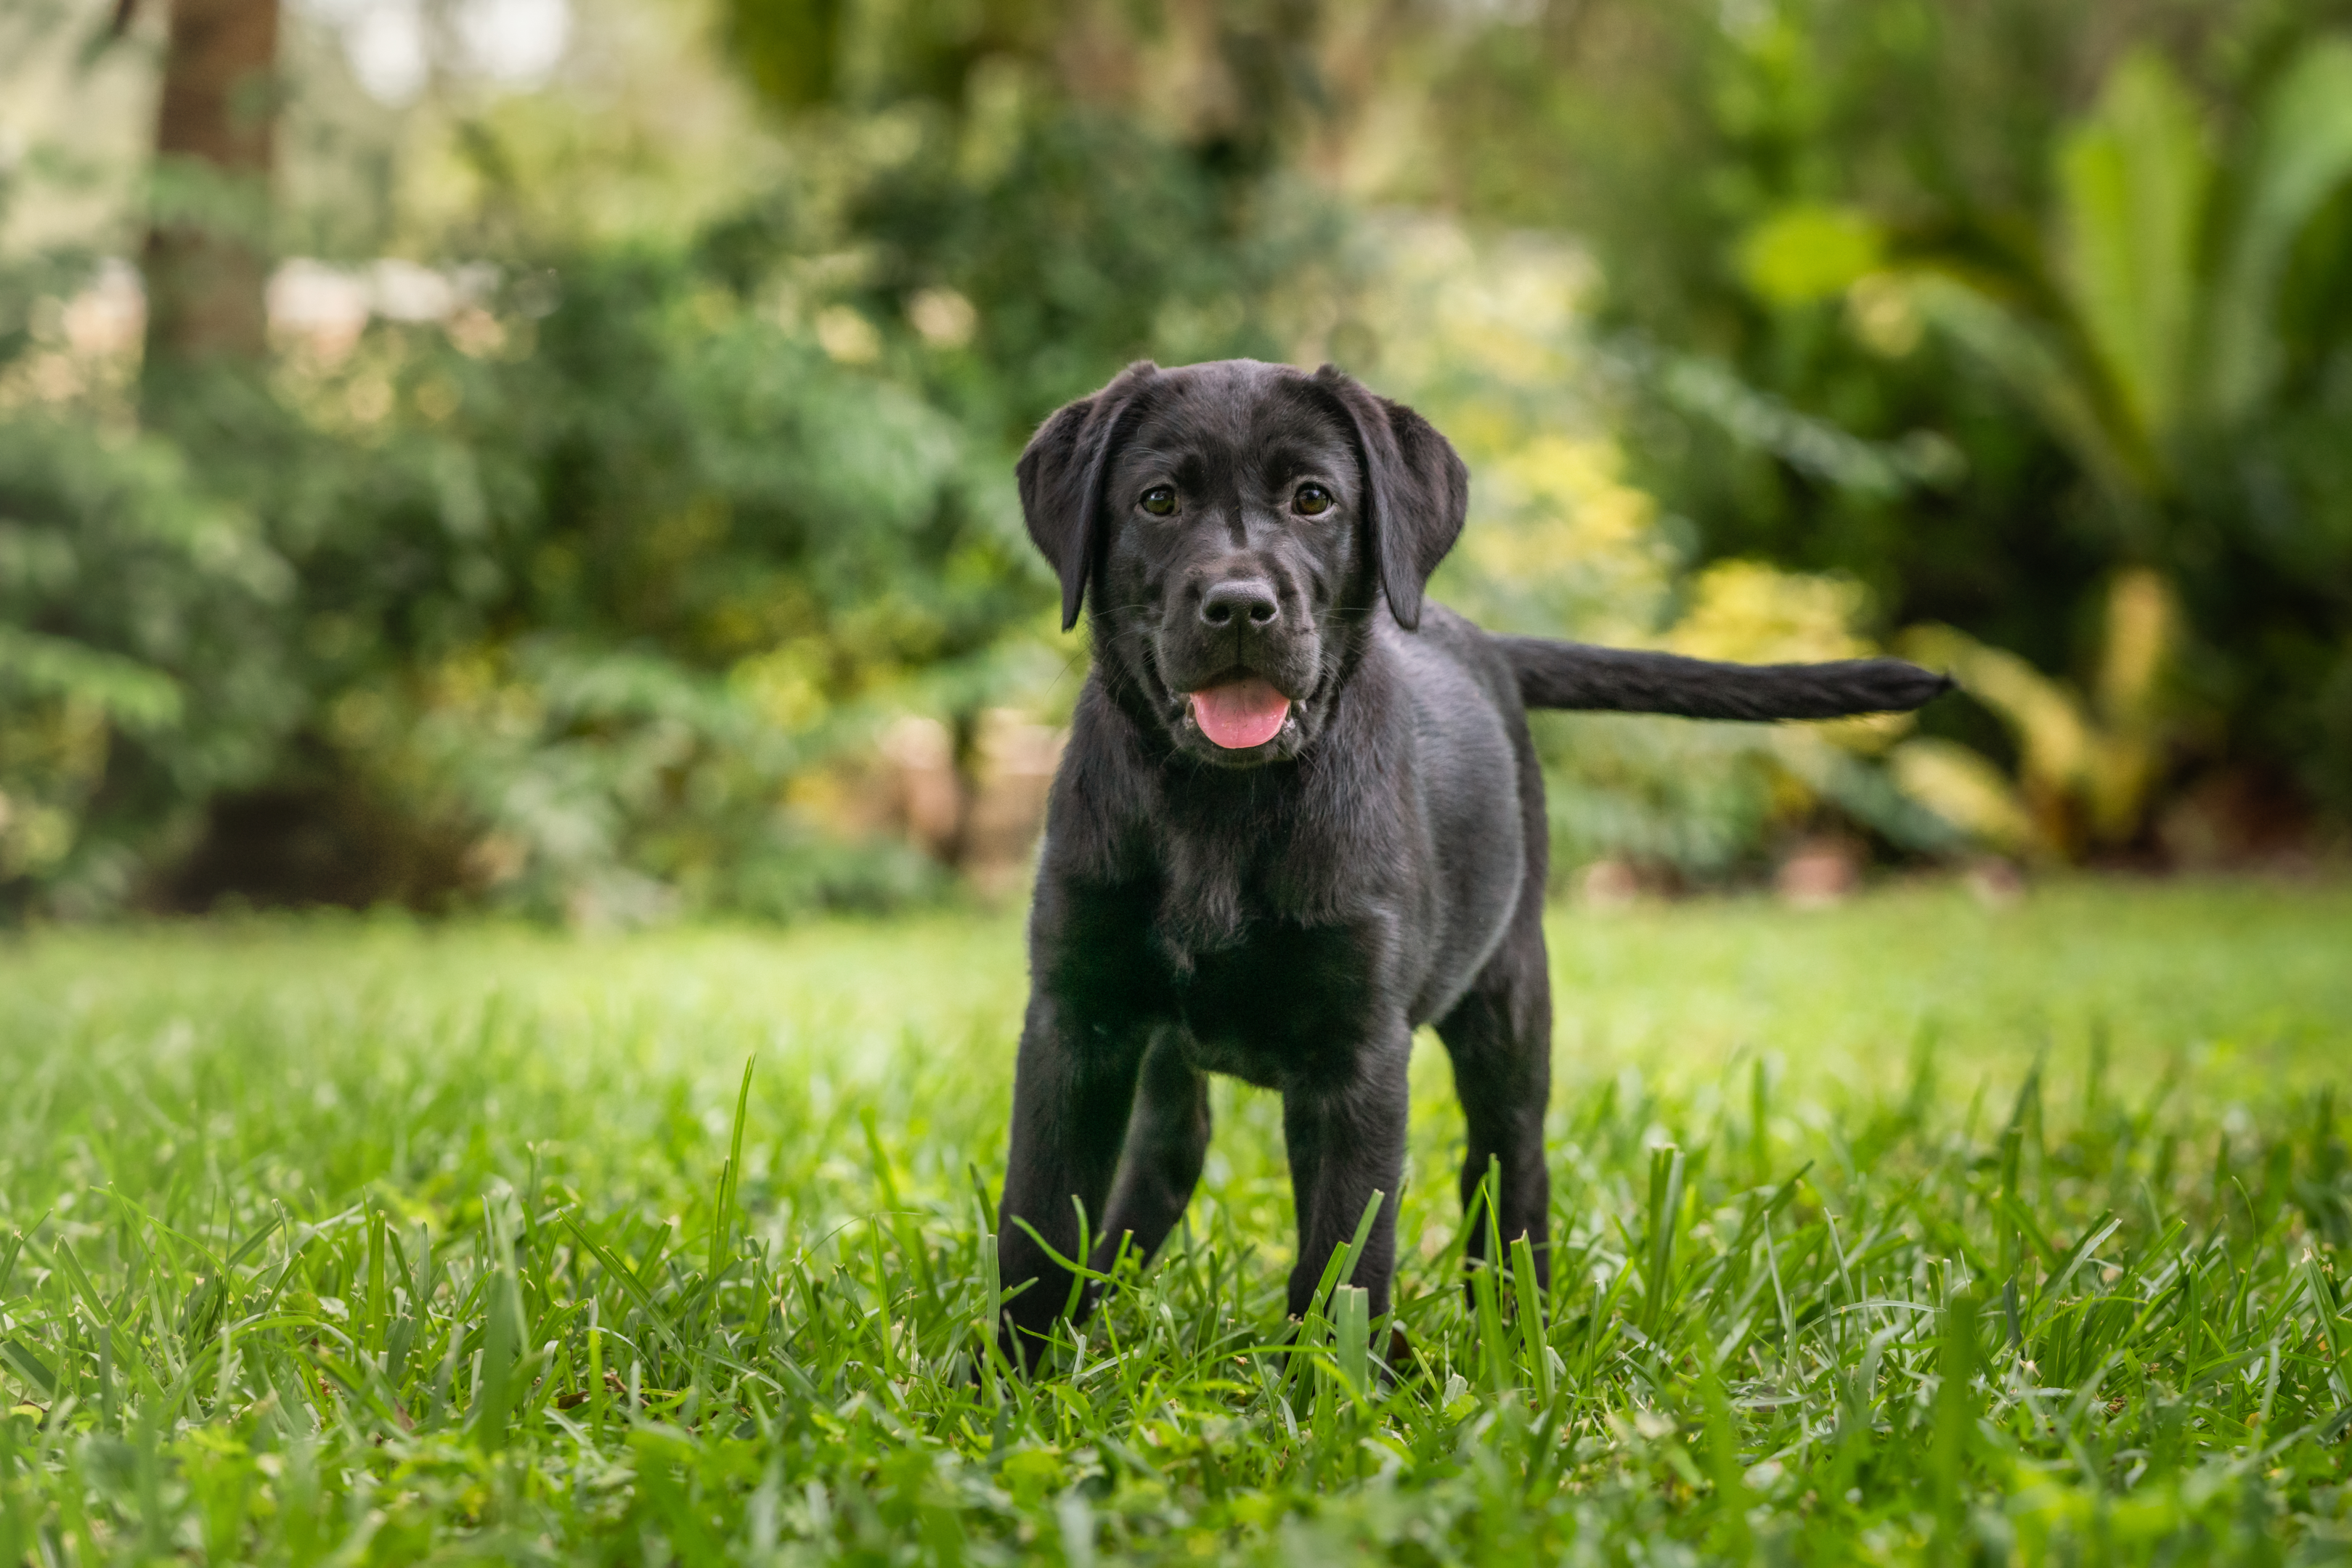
<point x="204" y="260"/>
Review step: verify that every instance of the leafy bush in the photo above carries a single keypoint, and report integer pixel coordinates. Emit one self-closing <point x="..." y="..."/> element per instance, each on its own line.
<point x="1496" y="342"/>
<point x="2100" y="289"/>
<point x="568" y="578"/>
<point x="549" y="591"/>
<point x="139" y="668"/>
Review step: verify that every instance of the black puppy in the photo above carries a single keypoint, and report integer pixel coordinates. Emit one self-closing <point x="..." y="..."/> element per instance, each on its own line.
<point x="1293" y="825"/>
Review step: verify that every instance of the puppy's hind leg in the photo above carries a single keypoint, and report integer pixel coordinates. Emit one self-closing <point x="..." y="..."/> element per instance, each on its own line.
<point x="1167" y="1139"/>
<point x="1499" y="1038"/>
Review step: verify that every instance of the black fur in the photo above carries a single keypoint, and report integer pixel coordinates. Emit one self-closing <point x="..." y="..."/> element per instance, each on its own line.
<point x="1627" y="680"/>
<point x="1291" y="913"/>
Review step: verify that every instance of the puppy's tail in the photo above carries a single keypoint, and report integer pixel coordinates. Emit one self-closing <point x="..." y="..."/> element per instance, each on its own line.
<point x="1628" y="680"/>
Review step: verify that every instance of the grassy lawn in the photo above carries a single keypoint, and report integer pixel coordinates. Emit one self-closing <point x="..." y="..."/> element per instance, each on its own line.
<point x="1909" y="1230"/>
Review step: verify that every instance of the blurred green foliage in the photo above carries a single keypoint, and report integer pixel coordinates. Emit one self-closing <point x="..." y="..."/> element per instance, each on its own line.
<point x="2093" y="262"/>
<point x="553" y="595"/>
<point x="578" y="564"/>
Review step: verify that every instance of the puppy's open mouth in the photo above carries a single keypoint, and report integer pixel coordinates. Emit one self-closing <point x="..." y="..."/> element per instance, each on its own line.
<point x="1239" y="714"/>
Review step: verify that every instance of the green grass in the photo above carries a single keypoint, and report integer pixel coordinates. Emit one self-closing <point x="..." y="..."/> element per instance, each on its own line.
<point x="1905" y="1231"/>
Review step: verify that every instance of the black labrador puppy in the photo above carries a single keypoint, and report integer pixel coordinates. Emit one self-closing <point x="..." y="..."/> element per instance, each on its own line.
<point x="1299" y="815"/>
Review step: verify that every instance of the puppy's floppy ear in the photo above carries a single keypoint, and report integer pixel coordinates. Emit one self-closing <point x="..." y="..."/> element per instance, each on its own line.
<point x="1419" y="490"/>
<point x="1061" y="474"/>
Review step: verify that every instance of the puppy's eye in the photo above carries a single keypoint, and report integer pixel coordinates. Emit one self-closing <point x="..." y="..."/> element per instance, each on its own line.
<point x="1311" y="499"/>
<point x="1160" y="500"/>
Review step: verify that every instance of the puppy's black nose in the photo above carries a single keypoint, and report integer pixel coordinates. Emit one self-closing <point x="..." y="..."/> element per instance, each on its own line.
<point x="1243" y="598"/>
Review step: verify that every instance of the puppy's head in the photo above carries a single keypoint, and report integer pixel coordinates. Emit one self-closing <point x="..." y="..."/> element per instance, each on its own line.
<point x="1239" y="523"/>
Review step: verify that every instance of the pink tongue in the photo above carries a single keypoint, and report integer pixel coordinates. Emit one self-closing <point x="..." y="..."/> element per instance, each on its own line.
<point x="1240" y="714"/>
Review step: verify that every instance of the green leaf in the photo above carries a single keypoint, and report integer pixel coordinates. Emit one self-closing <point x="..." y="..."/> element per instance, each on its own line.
<point x="1808" y="252"/>
<point x="1352" y="1335"/>
<point x="126" y="690"/>
<point x="2034" y="362"/>
<point x="1533" y="1346"/>
<point x="1953" y="1429"/>
<point x="31" y="1367"/>
<point x="1665" y="1218"/>
<point x="502" y="1341"/>
<point x="730" y="1178"/>
<point x="2133" y="180"/>
<point x="2300" y="154"/>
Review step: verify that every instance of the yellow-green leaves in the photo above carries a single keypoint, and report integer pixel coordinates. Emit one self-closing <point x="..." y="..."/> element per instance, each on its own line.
<point x="2086" y="767"/>
<point x="1809" y="251"/>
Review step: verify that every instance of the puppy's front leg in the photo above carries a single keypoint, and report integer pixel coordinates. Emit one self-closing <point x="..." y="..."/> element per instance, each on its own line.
<point x="1167" y="1139"/>
<point x="1346" y="1139"/>
<point x="1073" y="1090"/>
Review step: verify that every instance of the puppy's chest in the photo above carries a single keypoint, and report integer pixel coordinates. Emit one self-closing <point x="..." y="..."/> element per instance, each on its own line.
<point x="1288" y="1001"/>
<point x="1266" y="989"/>
<point x="1255" y="913"/>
